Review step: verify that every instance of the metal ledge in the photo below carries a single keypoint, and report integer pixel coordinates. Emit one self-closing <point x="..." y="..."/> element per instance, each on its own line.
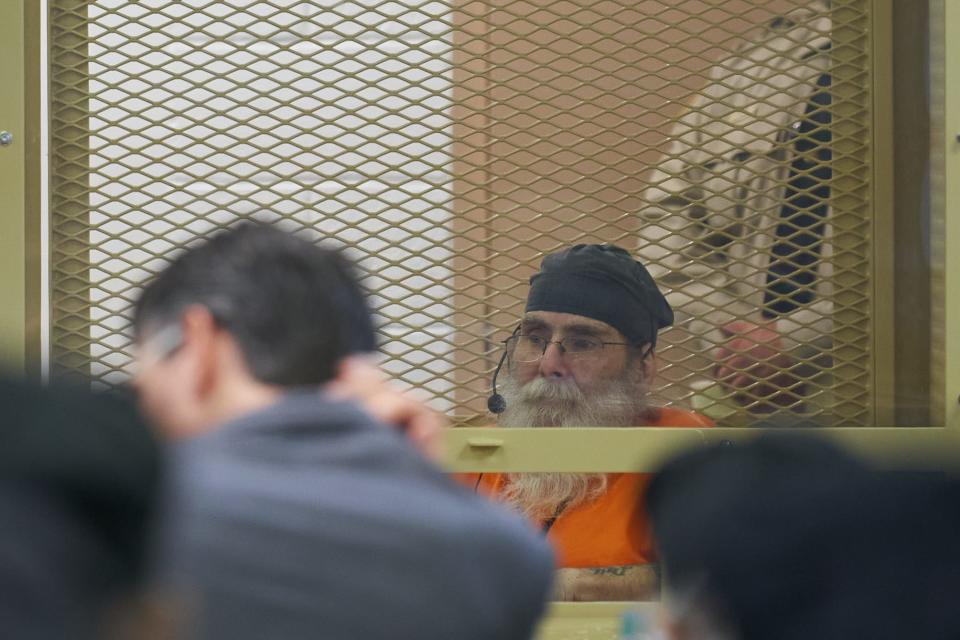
<point x="644" y="449"/>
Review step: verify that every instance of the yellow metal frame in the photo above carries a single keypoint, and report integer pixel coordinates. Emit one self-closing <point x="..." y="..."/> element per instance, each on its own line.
<point x="70" y="216"/>
<point x="882" y="200"/>
<point x="644" y="449"/>
<point x="20" y="188"/>
<point x="14" y="266"/>
<point x="32" y="197"/>
<point x="951" y="172"/>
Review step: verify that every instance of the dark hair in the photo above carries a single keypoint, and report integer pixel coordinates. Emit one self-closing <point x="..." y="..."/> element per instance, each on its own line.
<point x="294" y="308"/>
<point x="80" y="475"/>
<point x="788" y="537"/>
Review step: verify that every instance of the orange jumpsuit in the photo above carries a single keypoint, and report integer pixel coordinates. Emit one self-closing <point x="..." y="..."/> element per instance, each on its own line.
<point x="613" y="529"/>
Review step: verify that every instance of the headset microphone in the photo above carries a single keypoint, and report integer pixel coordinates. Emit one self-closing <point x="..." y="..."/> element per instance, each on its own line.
<point x="496" y="403"/>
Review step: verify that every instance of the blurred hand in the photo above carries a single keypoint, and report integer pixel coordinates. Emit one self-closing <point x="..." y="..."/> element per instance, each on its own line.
<point x="361" y="380"/>
<point x="753" y="364"/>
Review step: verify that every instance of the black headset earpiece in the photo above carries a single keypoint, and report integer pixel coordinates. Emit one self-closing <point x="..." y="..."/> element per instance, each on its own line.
<point x="496" y="403"/>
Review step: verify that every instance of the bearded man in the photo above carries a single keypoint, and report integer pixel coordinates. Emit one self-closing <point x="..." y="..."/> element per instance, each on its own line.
<point x="583" y="355"/>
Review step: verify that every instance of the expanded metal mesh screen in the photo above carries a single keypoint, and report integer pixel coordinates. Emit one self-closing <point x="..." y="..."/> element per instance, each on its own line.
<point x="450" y="145"/>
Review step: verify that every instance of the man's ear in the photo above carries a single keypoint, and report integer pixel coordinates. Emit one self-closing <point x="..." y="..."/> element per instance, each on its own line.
<point x="649" y="364"/>
<point x="199" y="331"/>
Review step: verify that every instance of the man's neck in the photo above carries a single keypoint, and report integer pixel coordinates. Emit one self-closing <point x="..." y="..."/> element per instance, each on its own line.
<point x="232" y="401"/>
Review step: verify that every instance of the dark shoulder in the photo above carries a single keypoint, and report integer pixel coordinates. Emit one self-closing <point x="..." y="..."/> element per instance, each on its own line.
<point x="508" y="556"/>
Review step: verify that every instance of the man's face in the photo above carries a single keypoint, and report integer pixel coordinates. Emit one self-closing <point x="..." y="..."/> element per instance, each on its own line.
<point x="586" y="370"/>
<point x="568" y="385"/>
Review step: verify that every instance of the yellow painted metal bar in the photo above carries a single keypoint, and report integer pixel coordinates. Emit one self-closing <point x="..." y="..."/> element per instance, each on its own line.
<point x="939" y="296"/>
<point x="882" y="203"/>
<point x="33" y="210"/>
<point x="851" y="220"/>
<point x="644" y="449"/>
<point x="951" y="146"/>
<point x="606" y="449"/>
<point x="13" y="159"/>
<point x="70" y="190"/>
<point x="887" y="447"/>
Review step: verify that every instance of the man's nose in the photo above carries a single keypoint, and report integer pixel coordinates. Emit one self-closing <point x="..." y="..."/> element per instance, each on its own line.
<point x="552" y="363"/>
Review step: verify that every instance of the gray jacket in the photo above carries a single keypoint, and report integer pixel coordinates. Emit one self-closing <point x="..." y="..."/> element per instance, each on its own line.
<point x="310" y="520"/>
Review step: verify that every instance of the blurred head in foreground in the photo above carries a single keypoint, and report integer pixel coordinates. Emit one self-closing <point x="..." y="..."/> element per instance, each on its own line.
<point x="232" y="322"/>
<point x="78" y="478"/>
<point x="790" y="538"/>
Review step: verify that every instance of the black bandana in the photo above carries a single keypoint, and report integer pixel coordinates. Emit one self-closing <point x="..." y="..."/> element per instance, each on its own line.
<point x="605" y="283"/>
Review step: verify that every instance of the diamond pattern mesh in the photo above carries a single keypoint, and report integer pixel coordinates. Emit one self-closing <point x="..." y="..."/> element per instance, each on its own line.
<point x="449" y="146"/>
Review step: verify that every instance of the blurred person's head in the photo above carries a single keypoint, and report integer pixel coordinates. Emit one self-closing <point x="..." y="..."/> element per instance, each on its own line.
<point x="583" y="355"/>
<point x="233" y="322"/>
<point x="79" y="475"/>
<point x="790" y="538"/>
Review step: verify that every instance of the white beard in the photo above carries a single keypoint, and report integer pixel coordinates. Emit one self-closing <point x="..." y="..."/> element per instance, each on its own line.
<point x="543" y="403"/>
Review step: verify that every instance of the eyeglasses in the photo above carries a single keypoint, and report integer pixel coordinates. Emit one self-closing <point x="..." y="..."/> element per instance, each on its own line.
<point x="530" y="348"/>
<point x="158" y="347"/>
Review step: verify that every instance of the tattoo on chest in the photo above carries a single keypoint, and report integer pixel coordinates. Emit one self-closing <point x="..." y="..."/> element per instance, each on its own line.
<point x="610" y="571"/>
